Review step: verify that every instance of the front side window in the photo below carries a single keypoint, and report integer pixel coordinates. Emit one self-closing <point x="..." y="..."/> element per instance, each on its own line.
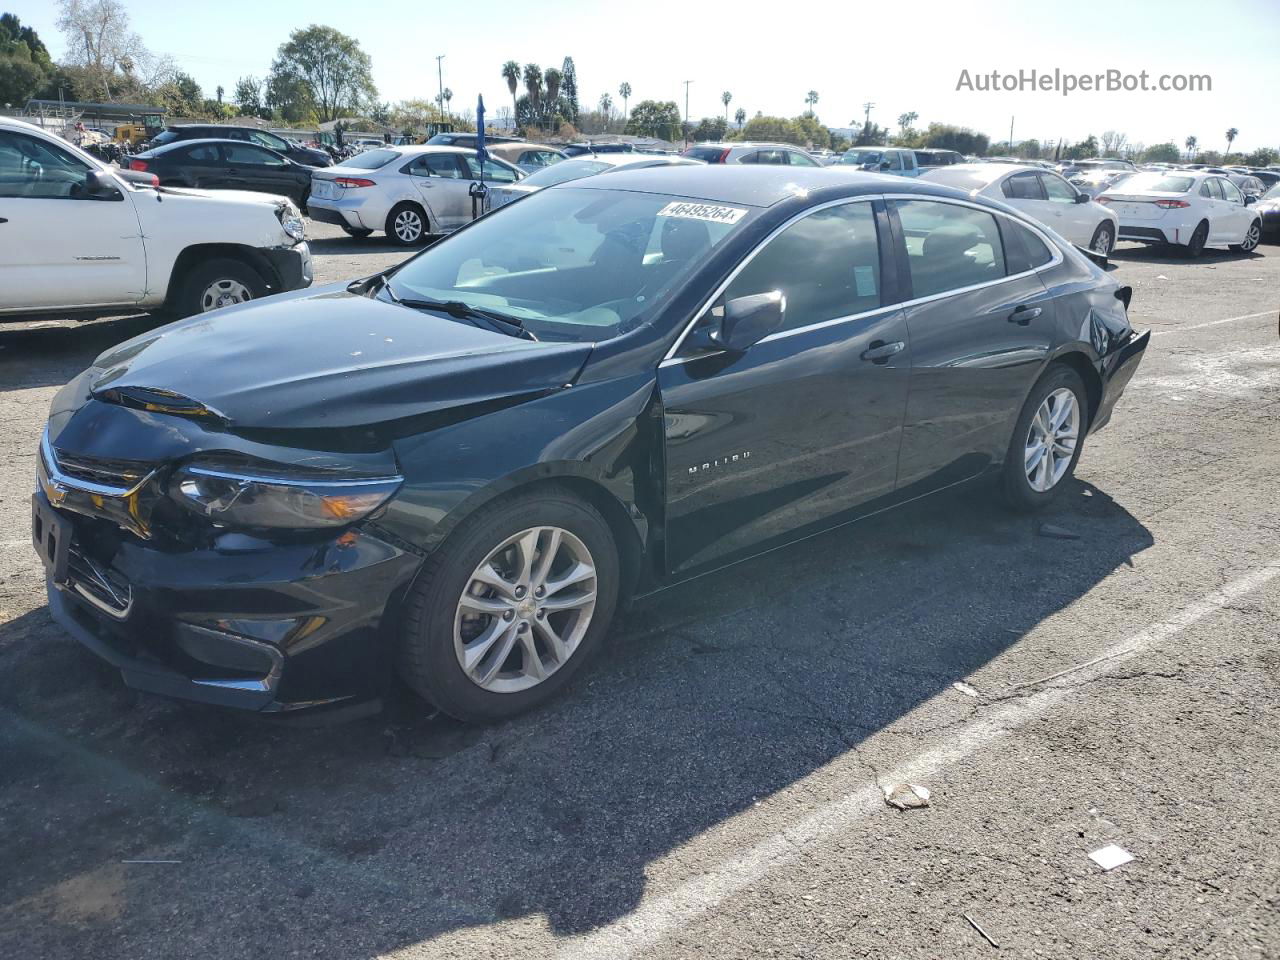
<point x="37" y="170"/>
<point x="1056" y="189"/>
<point x="494" y="172"/>
<point x="827" y="266"/>
<point x="949" y="246"/>
<point x="268" y="140"/>
<point x="1230" y="191"/>
<point x="799" y="159"/>
<point x="895" y="160"/>
<point x="574" y="264"/>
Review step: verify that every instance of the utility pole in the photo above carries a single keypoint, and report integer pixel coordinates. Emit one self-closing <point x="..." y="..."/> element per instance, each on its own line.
<point x="440" y="79"/>
<point x="867" y="108"/>
<point x="686" y="110"/>
<point x="1011" y="136"/>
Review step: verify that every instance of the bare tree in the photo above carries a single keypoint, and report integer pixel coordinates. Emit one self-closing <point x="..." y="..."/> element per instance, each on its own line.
<point x="99" y="39"/>
<point x="1113" y="142"/>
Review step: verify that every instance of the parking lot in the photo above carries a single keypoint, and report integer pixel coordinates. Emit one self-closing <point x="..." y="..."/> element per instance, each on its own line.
<point x="713" y="786"/>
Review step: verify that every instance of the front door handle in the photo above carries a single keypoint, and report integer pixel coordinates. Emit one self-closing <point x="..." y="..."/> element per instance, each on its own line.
<point x="880" y="352"/>
<point x="4" y="219"/>
<point x="1023" y="315"/>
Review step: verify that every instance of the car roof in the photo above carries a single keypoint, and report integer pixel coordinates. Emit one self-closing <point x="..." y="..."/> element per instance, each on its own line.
<point x="519" y="145"/>
<point x="746" y="143"/>
<point x="981" y="173"/>
<point x="756" y="185"/>
<point x="188" y="144"/>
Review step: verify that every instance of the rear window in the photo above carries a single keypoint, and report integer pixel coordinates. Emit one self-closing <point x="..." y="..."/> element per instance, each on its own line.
<point x="1159" y="183"/>
<point x="371" y="159"/>
<point x="163" y="137"/>
<point x="709" y="154"/>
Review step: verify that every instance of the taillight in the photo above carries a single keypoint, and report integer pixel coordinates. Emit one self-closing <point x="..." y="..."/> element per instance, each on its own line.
<point x="136" y="164"/>
<point x="350" y="183"/>
<point x="1172" y="204"/>
<point x="724" y="157"/>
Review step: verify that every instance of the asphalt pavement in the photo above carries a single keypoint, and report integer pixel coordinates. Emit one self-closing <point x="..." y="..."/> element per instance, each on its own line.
<point x="713" y="786"/>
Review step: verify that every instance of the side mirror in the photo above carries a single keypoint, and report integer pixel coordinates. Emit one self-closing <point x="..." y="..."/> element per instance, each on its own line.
<point x="1249" y="198"/>
<point x="746" y="321"/>
<point x="1083" y="198"/>
<point x="884" y="164"/>
<point x="100" y="185"/>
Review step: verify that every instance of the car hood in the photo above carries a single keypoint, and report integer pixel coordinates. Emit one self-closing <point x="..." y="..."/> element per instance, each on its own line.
<point x="326" y="359"/>
<point x="227" y="196"/>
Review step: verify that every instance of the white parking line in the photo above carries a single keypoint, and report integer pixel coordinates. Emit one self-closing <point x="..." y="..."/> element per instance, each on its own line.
<point x="668" y="912"/>
<point x="1214" y="323"/>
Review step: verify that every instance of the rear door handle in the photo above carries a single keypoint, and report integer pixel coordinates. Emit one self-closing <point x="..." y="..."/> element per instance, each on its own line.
<point x="4" y="219"/>
<point x="880" y="352"/>
<point x="1023" y="315"/>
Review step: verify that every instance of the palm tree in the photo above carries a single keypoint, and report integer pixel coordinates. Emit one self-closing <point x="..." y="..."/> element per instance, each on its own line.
<point x="1231" y="135"/>
<point x="624" y="92"/>
<point x="725" y="98"/>
<point x="740" y="117"/>
<point x="552" y="79"/>
<point x="811" y="98"/>
<point x="511" y="74"/>
<point x="447" y="94"/>
<point x="1190" y="144"/>
<point x="606" y="107"/>
<point x="905" y="121"/>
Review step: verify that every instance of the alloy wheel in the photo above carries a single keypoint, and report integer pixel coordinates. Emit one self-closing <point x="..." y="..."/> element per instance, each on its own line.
<point x="408" y="226"/>
<point x="1251" y="238"/>
<point x="223" y="293"/>
<point x="1103" y="241"/>
<point x="525" y="610"/>
<point x="1051" y="440"/>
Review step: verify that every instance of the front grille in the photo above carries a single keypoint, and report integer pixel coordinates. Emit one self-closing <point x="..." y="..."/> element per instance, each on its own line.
<point x="121" y="474"/>
<point x="100" y="584"/>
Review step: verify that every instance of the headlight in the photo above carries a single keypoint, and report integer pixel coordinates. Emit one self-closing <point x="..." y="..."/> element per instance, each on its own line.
<point x="294" y="226"/>
<point x="254" y="500"/>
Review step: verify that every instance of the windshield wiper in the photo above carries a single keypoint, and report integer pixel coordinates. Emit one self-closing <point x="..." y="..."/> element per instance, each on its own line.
<point x="498" y="322"/>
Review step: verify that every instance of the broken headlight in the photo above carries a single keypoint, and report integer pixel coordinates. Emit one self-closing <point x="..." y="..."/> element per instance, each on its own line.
<point x="236" y="499"/>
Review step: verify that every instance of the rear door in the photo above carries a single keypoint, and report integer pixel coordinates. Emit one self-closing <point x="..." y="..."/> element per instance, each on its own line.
<point x="804" y="426"/>
<point x="57" y="247"/>
<point x="440" y="181"/>
<point x="980" y="333"/>
<point x="200" y="166"/>
<point x="251" y="167"/>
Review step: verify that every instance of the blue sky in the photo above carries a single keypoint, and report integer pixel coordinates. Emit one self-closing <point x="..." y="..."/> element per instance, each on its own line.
<point x="901" y="56"/>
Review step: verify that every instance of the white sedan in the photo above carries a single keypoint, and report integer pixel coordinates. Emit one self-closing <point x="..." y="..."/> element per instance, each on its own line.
<point x="1040" y="194"/>
<point x="1187" y="208"/>
<point x="409" y="192"/>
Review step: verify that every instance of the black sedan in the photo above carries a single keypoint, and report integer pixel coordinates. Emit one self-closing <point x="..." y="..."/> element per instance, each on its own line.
<point x="226" y="165"/>
<point x="295" y="151"/>
<point x="462" y="467"/>
<point x="1269" y="208"/>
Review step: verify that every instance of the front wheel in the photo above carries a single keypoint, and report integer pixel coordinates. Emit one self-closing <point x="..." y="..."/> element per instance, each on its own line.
<point x="1047" y="440"/>
<point x="511" y="606"/>
<point x="221" y="282"/>
<point x="1251" y="238"/>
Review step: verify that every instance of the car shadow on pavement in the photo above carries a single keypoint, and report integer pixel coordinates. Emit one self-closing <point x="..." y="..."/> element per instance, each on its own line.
<point x="361" y="839"/>
<point x="41" y="353"/>
<point x="1152" y="253"/>
<point x="352" y="247"/>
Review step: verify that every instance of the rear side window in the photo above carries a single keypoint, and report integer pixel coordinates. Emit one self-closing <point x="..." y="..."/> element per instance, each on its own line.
<point x="709" y="154"/>
<point x="204" y="153"/>
<point x="1022" y="186"/>
<point x="827" y="265"/>
<point x="251" y="154"/>
<point x="1023" y="250"/>
<point x="949" y="246"/>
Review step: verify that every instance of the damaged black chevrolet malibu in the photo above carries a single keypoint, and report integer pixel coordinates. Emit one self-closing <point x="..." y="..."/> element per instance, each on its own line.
<point x="459" y="469"/>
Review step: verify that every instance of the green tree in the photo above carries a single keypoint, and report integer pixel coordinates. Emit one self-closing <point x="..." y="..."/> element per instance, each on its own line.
<point x="1190" y="143"/>
<point x="624" y="91"/>
<point x="248" y="98"/>
<point x="1161" y="153"/>
<point x="511" y="74"/>
<point x="946" y="136"/>
<point x="811" y="101"/>
<point x="1232" y="133"/>
<point x="569" y="88"/>
<point x="25" y="66"/>
<point x="533" y="84"/>
<point x="327" y="66"/>
<point x="905" y="120"/>
<point x="740" y="117"/>
<point x="1262" y="157"/>
<point x="725" y="98"/>
<point x="778" y="129"/>
<point x="813" y="133"/>
<point x="181" y="96"/>
<point x="712" y="129"/>
<point x="652" y="118"/>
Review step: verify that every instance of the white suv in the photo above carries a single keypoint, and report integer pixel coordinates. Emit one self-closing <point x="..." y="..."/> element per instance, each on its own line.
<point x="78" y="238"/>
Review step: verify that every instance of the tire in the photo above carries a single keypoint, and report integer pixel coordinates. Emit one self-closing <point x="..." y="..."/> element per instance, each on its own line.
<point x="223" y="279"/>
<point x="400" y="225"/>
<point x="1019" y="490"/>
<point x="1251" y="239"/>
<point x="1104" y="239"/>
<point x="441" y="629"/>
<point x="358" y="234"/>
<point x="1195" y="246"/>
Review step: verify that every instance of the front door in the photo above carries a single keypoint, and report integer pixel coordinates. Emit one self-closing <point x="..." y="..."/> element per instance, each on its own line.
<point x="804" y="426"/>
<point x="59" y="248"/>
<point x="251" y="167"/>
<point x="981" y="325"/>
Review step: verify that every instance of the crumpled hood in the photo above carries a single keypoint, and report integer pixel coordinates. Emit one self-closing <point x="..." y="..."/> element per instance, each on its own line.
<point x="327" y="358"/>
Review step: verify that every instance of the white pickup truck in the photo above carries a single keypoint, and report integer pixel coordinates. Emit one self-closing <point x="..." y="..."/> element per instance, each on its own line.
<point x="79" y="238"/>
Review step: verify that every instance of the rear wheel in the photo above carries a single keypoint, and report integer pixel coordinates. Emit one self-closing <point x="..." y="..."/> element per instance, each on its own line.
<point x="407" y="224"/>
<point x="221" y="282"/>
<point x="1104" y="238"/>
<point x="1251" y="238"/>
<point x="511" y="606"/>
<point x="1195" y="246"/>
<point x="1047" y="439"/>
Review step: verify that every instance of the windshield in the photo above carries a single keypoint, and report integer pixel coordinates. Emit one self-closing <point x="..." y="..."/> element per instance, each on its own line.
<point x="564" y="171"/>
<point x="1158" y="183"/>
<point x="573" y="264"/>
<point x="861" y="156"/>
<point x="1273" y="193"/>
<point x="371" y="159"/>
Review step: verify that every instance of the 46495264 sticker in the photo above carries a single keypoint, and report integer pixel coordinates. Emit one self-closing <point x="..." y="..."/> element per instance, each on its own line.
<point x="703" y="211"/>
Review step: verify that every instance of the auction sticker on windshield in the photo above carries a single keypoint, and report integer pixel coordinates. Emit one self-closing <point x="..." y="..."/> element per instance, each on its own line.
<point x="703" y="211"/>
